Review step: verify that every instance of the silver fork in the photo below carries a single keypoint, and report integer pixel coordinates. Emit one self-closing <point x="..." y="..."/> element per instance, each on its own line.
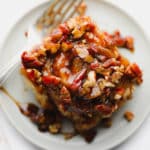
<point x="59" y="11"/>
<point x="33" y="38"/>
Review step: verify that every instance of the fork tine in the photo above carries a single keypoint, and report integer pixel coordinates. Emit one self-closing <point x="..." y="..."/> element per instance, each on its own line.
<point x="72" y="13"/>
<point x="75" y="9"/>
<point x="49" y="19"/>
<point x="59" y="9"/>
<point x="66" y="10"/>
<point x="61" y="6"/>
<point x="63" y="14"/>
<point x="50" y="9"/>
<point x="48" y="12"/>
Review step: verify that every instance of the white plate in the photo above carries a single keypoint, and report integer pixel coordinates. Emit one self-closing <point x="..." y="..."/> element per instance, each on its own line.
<point x="108" y="17"/>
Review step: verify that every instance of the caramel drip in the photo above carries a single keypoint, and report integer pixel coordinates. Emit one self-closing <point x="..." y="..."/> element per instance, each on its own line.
<point x="10" y="96"/>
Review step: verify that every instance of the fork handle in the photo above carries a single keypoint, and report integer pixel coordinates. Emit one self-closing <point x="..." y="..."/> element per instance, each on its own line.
<point x="8" y="69"/>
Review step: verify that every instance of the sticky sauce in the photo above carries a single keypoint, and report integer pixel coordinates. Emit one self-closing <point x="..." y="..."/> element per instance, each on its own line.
<point x="47" y="120"/>
<point x="11" y="97"/>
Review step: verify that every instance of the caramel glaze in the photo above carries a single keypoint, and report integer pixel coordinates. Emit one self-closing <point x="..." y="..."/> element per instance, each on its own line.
<point x="10" y="96"/>
<point x="43" y="118"/>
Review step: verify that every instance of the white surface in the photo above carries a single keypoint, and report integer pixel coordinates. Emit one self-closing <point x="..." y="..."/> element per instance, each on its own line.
<point x="107" y="17"/>
<point x="17" y="7"/>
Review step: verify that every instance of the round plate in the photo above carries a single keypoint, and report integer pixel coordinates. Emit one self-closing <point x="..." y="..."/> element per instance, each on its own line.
<point x="107" y="17"/>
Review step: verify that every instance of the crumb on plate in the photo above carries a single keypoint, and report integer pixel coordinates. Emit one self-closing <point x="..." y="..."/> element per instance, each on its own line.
<point x="26" y="34"/>
<point x="129" y="116"/>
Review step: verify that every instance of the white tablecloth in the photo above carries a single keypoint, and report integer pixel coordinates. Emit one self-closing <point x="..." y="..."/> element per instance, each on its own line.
<point x="10" y="11"/>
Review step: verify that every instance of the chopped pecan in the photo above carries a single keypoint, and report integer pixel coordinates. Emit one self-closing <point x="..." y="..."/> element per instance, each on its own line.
<point x="60" y="61"/>
<point x="30" y="61"/>
<point x="104" y="109"/>
<point x="77" y="65"/>
<point x="33" y="75"/>
<point x="119" y="93"/>
<point x="90" y="26"/>
<point x="81" y="51"/>
<point x="94" y="65"/>
<point x="89" y="59"/>
<point x="78" y="80"/>
<point x="65" y="95"/>
<point x="89" y="36"/>
<point x="91" y="81"/>
<point x="111" y="62"/>
<point x="102" y="58"/>
<point x="64" y="28"/>
<point x="116" y="76"/>
<point x="77" y="33"/>
<point x="50" y="79"/>
<point x="52" y="47"/>
<point x="56" y="35"/>
<point x="124" y="61"/>
<point x="117" y="96"/>
<point x="98" y="49"/>
<point x="65" y="46"/>
<point x="129" y="43"/>
<point x="120" y="90"/>
<point x="95" y="92"/>
<point x="135" y="68"/>
<point x="80" y="76"/>
<point x="134" y="72"/>
<point x="116" y="39"/>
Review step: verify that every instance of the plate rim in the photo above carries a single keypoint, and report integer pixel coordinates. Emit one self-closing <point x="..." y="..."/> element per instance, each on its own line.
<point x="111" y="4"/>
